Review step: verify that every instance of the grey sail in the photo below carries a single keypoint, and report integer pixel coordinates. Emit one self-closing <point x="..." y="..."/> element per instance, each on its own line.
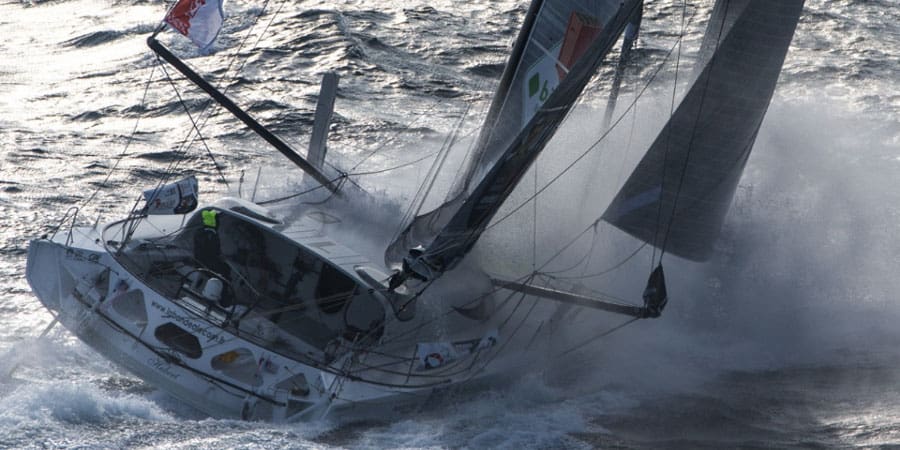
<point x="565" y="48"/>
<point x="679" y="193"/>
<point x="555" y="34"/>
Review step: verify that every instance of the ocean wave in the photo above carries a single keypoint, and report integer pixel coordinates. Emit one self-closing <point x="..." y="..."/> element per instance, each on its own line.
<point x="94" y="38"/>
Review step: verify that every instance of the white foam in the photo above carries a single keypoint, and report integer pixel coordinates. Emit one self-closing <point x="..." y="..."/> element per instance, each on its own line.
<point x="73" y="402"/>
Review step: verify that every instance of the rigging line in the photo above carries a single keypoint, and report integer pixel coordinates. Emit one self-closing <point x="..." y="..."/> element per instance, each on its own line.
<point x="694" y="130"/>
<point x="465" y="169"/>
<point x="415" y="298"/>
<point x="449" y="370"/>
<point x="180" y="151"/>
<point x="372" y="351"/>
<point x="167" y="174"/>
<point x="298" y="194"/>
<point x="207" y="113"/>
<point x="444" y="375"/>
<point x="512" y="313"/>
<point x="493" y="357"/>
<point x="571" y="243"/>
<point x="598" y="337"/>
<point x="592" y="147"/>
<point x="668" y="144"/>
<point x="194" y="124"/>
<point x="501" y="305"/>
<point x="128" y="142"/>
<point x="390" y="169"/>
<point x="425" y="190"/>
<point x="362" y="367"/>
<point x="452" y="310"/>
<point x="421" y="195"/>
<point x="459" y="183"/>
<point x="394" y="136"/>
<point x="594" y="293"/>
<point x="603" y="272"/>
<point x="587" y="254"/>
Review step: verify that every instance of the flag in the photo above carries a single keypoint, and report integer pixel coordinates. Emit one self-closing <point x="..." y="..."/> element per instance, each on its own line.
<point x="174" y="198"/>
<point x="199" y="20"/>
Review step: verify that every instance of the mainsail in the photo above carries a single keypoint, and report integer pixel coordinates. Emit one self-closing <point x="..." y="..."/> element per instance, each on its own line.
<point x="677" y="197"/>
<point x="559" y="49"/>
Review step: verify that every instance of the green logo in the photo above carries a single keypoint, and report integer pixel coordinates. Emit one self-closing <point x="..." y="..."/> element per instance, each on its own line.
<point x="534" y="85"/>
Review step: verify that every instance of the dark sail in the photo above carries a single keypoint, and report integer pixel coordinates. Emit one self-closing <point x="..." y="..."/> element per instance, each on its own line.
<point x="680" y="192"/>
<point x="566" y="46"/>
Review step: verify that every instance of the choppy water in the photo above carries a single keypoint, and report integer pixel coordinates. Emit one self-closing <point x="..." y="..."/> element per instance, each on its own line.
<point x="788" y="338"/>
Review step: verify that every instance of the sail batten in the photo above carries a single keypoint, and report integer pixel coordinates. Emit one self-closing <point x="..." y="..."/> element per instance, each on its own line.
<point x="679" y="193"/>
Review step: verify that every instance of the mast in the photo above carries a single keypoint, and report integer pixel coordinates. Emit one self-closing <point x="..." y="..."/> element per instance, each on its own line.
<point x="240" y="114"/>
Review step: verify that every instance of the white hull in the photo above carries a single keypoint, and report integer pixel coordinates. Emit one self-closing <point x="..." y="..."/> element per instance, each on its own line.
<point x="230" y="371"/>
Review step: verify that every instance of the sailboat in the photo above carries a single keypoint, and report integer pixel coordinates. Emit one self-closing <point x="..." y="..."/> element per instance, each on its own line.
<point x="243" y="311"/>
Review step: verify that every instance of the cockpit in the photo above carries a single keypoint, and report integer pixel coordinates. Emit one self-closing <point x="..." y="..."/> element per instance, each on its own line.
<point x="240" y="272"/>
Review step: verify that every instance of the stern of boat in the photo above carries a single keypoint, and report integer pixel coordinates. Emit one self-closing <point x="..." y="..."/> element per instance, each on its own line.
<point x="56" y="267"/>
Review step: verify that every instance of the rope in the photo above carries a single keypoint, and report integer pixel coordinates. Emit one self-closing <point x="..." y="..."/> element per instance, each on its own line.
<point x="397" y="167"/>
<point x="395" y="135"/>
<point x="424" y="190"/>
<point x="668" y="144"/>
<point x="597" y="337"/>
<point x="338" y="179"/>
<point x="128" y="142"/>
<point x="605" y="271"/>
<point x="194" y="124"/>
<point x="207" y="112"/>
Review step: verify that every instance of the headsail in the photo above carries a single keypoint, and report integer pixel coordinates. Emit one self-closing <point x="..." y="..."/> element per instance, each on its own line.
<point x="563" y="49"/>
<point x="678" y="195"/>
<point x="555" y="35"/>
<point x="533" y="72"/>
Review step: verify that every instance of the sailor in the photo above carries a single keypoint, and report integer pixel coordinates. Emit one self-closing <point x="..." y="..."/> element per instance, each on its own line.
<point x="207" y="248"/>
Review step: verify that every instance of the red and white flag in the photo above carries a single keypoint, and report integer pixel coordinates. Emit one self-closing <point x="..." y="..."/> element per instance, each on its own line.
<point x="199" y="20"/>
